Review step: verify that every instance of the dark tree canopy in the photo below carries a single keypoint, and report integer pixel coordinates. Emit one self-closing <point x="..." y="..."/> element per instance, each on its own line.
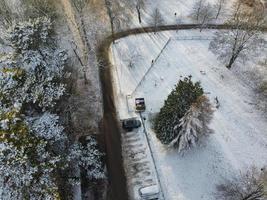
<point x="177" y="104"/>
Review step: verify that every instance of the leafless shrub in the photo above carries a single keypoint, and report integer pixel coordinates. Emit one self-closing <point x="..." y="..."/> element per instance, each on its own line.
<point x="248" y="186"/>
<point x="133" y="59"/>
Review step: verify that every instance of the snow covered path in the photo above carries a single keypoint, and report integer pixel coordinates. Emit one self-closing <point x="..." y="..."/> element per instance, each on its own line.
<point x="240" y="139"/>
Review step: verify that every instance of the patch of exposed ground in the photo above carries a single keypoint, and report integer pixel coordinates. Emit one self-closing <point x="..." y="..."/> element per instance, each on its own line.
<point x="87" y="102"/>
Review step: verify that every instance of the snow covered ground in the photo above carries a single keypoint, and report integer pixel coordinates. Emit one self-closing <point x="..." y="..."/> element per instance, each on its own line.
<point x="240" y="138"/>
<point x="168" y="8"/>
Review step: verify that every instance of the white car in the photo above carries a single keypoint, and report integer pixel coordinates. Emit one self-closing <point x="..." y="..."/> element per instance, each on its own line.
<point x="149" y="192"/>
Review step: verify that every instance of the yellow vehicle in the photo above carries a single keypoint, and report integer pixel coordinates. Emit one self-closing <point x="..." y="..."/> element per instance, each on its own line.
<point x="140" y="105"/>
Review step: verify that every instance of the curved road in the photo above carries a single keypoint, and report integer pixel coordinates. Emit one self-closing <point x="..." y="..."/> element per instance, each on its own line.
<point x="110" y="126"/>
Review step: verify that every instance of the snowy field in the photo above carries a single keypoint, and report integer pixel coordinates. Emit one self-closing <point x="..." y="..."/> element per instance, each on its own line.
<point x="240" y="138"/>
<point x="168" y="8"/>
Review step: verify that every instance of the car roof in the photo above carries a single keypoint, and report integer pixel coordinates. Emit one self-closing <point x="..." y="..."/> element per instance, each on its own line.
<point x="149" y="190"/>
<point x="141" y="100"/>
<point x="130" y="119"/>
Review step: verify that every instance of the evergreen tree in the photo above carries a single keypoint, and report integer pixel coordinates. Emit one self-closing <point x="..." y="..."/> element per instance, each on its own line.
<point x="89" y="158"/>
<point x="30" y="78"/>
<point x="27" y="160"/>
<point x="33" y="144"/>
<point x="39" y="64"/>
<point x="194" y="124"/>
<point x="167" y="122"/>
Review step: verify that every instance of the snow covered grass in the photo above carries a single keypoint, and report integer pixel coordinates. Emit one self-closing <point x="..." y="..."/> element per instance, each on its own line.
<point x="240" y="139"/>
<point x="168" y="8"/>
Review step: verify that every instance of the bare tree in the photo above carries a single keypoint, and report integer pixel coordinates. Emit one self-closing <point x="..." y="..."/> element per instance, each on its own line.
<point x="80" y="4"/>
<point x="178" y="21"/>
<point x="117" y="18"/>
<point x="139" y="6"/>
<point x="39" y="8"/>
<point x="244" y="38"/>
<point x="219" y="6"/>
<point x="157" y="19"/>
<point x="196" y="9"/>
<point x="202" y="13"/>
<point x="206" y="14"/>
<point x="248" y="186"/>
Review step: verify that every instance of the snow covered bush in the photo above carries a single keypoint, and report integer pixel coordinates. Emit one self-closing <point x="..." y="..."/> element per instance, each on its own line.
<point x="193" y="125"/>
<point x="89" y="158"/>
<point x="248" y="186"/>
<point x="167" y="122"/>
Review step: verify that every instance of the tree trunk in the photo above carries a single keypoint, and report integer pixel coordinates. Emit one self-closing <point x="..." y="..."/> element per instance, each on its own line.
<point x="112" y="29"/>
<point x="197" y="15"/>
<point x="83" y="66"/>
<point x="198" y="9"/>
<point x="85" y="33"/>
<point x="202" y="24"/>
<point x="231" y="62"/>
<point x="218" y="12"/>
<point x="111" y="18"/>
<point x="139" y="14"/>
<point x="155" y="28"/>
